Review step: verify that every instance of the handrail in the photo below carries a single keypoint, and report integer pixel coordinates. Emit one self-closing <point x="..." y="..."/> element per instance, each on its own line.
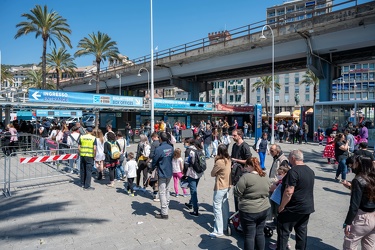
<point x="242" y="31"/>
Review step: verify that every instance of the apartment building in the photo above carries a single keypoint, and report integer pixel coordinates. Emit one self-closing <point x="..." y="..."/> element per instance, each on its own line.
<point x="296" y="10"/>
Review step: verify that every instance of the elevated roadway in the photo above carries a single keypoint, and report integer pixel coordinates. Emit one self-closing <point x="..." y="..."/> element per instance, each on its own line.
<point x="320" y="43"/>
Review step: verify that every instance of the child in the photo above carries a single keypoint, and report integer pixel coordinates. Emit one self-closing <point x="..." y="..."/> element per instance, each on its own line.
<point x="329" y="149"/>
<point x="276" y="196"/>
<point x="178" y="166"/>
<point x="131" y="172"/>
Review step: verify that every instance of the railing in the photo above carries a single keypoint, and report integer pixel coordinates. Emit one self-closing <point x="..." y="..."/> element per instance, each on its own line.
<point x="243" y="31"/>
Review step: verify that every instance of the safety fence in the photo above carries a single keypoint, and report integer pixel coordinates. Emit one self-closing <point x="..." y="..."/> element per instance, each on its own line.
<point x="31" y="167"/>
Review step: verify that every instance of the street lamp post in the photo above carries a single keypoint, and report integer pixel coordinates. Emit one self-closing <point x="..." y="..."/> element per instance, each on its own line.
<point x="152" y="69"/>
<point x="96" y="112"/>
<point x="148" y="78"/>
<point x="119" y="77"/>
<point x="273" y="81"/>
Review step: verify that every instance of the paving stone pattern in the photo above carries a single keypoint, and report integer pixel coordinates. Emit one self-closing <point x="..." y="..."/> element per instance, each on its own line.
<point x="58" y="214"/>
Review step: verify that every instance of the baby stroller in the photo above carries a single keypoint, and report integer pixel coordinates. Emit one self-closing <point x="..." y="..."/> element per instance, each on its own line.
<point x="236" y="224"/>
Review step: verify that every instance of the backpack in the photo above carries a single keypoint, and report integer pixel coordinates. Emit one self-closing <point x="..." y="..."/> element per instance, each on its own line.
<point x="146" y="150"/>
<point x="115" y="151"/>
<point x="75" y="142"/>
<point x="199" y="164"/>
<point x="237" y="171"/>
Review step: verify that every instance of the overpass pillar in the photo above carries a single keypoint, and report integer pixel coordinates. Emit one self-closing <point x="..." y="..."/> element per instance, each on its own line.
<point x="325" y="83"/>
<point x="7" y="115"/>
<point x="194" y="91"/>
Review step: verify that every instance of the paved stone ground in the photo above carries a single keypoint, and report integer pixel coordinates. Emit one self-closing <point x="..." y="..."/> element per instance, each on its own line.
<point x="58" y="214"/>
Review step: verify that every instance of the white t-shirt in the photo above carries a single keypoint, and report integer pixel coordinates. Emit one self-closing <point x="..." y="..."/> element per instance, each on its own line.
<point x="176" y="164"/>
<point x="131" y="169"/>
<point x="100" y="156"/>
<point x="122" y="143"/>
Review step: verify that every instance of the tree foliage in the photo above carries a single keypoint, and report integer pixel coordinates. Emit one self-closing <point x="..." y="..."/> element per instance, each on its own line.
<point x="49" y="26"/>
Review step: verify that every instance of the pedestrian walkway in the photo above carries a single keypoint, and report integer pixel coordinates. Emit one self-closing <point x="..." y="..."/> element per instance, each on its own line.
<point x="60" y="215"/>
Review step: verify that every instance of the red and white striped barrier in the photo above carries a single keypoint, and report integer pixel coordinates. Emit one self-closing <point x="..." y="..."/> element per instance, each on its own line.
<point x="48" y="158"/>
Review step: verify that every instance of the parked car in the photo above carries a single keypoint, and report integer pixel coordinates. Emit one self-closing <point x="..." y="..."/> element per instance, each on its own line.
<point x="72" y="120"/>
<point x="88" y="120"/>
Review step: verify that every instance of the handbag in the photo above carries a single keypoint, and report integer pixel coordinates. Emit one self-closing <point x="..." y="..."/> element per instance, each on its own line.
<point x="184" y="182"/>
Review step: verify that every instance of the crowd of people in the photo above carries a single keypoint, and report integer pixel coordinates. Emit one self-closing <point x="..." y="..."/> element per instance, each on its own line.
<point x="283" y="198"/>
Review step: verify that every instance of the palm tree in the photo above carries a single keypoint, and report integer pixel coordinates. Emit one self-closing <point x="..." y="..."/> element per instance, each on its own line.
<point x="265" y="83"/>
<point x="34" y="79"/>
<point x="48" y="25"/>
<point x="102" y="47"/>
<point x="99" y="45"/>
<point x="61" y="61"/>
<point x="311" y="79"/>
<point x="6" y="75"/>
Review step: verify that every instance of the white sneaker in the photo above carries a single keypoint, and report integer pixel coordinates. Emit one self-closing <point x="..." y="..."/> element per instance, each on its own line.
<point x="215" y="235"/>
<point x="156" y="200"/>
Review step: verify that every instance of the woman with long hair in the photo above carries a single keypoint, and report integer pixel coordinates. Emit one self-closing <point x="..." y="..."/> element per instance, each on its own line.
<point x="221" y="171"/>
<point x="341" y="154"/>
<point x="252" y="191"/>
<point x="99" y="157"/>
<point x="359" y="226"/>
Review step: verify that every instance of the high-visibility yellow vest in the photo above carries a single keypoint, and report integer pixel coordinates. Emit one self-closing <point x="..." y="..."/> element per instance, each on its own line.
<point x="87" y="145"/>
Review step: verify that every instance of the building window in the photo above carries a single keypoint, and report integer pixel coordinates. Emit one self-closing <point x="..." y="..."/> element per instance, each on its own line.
<point x="258" y="98"/>
<point x="307" y="97"/>
<point x="286" y="98"/>
<point x="258" y="91"/>
<point x="307" y="90"/>
<point x="286" y="89"/>
<point x="238" y="98"/>
<point x="277" y="98"/>
<point x="231" y="98"/>
<point x="296" y="89"/>
<point x="296" y="79"/>
<point x="220" y="91"/>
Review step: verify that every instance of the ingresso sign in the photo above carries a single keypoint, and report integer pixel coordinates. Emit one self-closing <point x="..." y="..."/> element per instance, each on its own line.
<point x="51" y="96"/>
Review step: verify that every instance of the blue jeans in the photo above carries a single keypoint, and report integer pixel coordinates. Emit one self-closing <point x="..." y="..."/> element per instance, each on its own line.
<point x="221" y="210"/>
<point x="342" y="169"/>
<point x="193" y="184"/>
<point x="262" y="158"/>
<point x="127" y="137"/>
<point x="120" y="172"/>
<point x="207" y="150"/>
<point x="245" y="132"/>
<point x="77" y="161"/>
<point x="253" y="226"/>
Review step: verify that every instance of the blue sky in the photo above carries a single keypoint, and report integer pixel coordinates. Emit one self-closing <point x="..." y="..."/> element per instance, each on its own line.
<point x="128" y="23"/>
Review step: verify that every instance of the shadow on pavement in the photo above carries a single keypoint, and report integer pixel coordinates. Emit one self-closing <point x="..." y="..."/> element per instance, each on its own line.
<point x="336" y="191"/>
<point x="144" y="208"/>
<point x="318" y="244"/>
<point x="26" y="217"/>
<point x="217" y="243"/>
<point x="66" y="226"/>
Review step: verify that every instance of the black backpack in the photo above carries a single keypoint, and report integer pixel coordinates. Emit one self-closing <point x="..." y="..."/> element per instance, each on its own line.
<point x="199" y="164"/>
<point x="237" y="171"/>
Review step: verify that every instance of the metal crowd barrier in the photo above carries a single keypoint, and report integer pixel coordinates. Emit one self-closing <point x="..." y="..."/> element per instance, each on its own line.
<point x="30" y="167"/>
